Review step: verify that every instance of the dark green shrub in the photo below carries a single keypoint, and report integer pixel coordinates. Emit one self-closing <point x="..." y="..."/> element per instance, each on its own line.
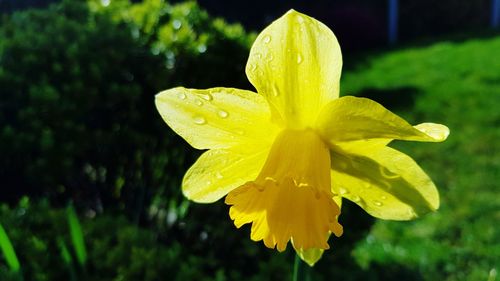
<point x="77" y="117"/>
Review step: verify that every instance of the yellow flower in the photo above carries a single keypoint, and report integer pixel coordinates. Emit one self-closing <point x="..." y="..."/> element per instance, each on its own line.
<point x="286" y="156"/>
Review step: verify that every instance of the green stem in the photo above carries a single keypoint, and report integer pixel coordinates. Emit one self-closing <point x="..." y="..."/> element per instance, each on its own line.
<point x="300" y="270"/>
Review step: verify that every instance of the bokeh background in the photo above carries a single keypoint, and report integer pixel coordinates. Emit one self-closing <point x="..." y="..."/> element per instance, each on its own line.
<point x="90" y="175"/>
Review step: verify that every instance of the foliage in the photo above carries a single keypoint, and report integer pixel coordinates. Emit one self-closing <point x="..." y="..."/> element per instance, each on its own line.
<point x="456" y="84"/>
<point x="77" y="122"/>
<point x="77" y="116"/>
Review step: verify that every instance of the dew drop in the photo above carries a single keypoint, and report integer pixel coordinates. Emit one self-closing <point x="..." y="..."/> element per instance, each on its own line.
<point x="219" y="175"/>
<point x="181" y="96"/>
<point x="299" y="58"/>
<point x="207" y="97"/>
<point x="356" y="199"/>
<point x="367" y="185"/>
<point x="240" y="132"/>
<point x="199" y="120"/>
<point x="177" y="24"/>
<point x="222" y="114"/>
<point x="209" y="182"/>
<point x="383" y="197"/>
<point x="198" y="102"/>
<point x="317" y="195"/>
<point x="343" y="191"/>
<point x="300" y="19"/>
<point x="270" y="179"/>
<point x="377" y="203"/>
<point x="269" y="57"/>
<point x="266" y="39"/>
<point x="259" y="187"/>
<point x="252" y="67"/>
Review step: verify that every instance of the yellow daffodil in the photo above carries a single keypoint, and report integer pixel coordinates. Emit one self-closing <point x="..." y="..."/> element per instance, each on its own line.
<point x="286" y="155"/>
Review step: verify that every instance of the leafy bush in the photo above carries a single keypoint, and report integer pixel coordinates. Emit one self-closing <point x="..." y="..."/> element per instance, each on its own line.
<point x="77" y="115"/>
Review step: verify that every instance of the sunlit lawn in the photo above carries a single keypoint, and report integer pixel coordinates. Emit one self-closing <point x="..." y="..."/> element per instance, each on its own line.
<point x="457" y="84"/>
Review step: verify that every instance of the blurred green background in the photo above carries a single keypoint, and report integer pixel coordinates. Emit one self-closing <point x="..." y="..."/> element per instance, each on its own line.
<point x="90" y="175"/>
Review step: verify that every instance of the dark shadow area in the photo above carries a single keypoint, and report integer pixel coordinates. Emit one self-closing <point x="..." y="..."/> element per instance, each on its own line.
<point x="397" y="98"/>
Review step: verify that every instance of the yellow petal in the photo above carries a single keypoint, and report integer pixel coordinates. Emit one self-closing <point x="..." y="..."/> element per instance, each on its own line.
<point x="351" y="118"/>
<point x="386" y="183"/>
<point x="309" y="256"/>
<point x="218" y="117"/>
<point x="219" y="171"/>
<point x="295" y="63"/>
<point x="291" y="198"/>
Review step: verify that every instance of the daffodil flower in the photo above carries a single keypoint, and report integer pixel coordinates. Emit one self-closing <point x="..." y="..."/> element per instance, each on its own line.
<point x="286" y="155"/>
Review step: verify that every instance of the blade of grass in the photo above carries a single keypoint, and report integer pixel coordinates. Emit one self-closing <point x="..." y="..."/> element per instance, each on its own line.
<point x="8" y="251"/>
<point x="67" y="259"/>
<point x="76" y="236"/>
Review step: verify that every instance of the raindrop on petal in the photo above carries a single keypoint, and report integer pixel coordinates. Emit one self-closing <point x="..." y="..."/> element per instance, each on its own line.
<point x="299" y="58"/>
<point x="207" y="97"/>
<point x="377" y="203"/>
<point x="181" y="95"/>
<point x="266" y="39"/>
<point x="222" y="114"/>
<point x="219" y="175"/>
<point x="198" y="102"/>
<point x="199" y="120"/>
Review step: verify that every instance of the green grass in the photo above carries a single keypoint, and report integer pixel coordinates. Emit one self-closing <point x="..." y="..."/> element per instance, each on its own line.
<point x="456" y="84"/>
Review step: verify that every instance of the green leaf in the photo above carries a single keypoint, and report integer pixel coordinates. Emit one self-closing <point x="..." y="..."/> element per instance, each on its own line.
<point x="8" y="251"/>
<point x="76" y="236"/>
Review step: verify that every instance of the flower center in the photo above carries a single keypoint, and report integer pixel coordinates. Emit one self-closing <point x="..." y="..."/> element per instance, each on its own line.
<point x="291" y="198"/>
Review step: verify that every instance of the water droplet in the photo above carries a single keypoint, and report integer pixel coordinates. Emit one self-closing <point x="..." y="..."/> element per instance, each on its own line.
<point x="317" y="194"/>
<point x="209" y="182"/>
<point x="367" y="185"/>
<point x="266" y="39"/>
<point x="270" y="179"/>
<point x="198" y="102"/>
<point x="343" y="191"/>
<point x="177" y="24"/>
<point x="202" y="48"/>
<point x="300" y="19"/>
<point x="377" y="203"/>
<point x="222" y="114"/>
<point x="181" y="95"/>
<point x="258" y="55"/>
<point x="299" y="58"/>
<point x="207" y="97"/>
<point x="240" y="132"/>
<point x="252" y="67"/>
<point x="199" y="120"/>
<point x="219" y="175"/>
<point x="269" y="57"/>
<point x="356" y="199"/>
<point x="383" y="197"/>
<point x="259" y="187"/>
